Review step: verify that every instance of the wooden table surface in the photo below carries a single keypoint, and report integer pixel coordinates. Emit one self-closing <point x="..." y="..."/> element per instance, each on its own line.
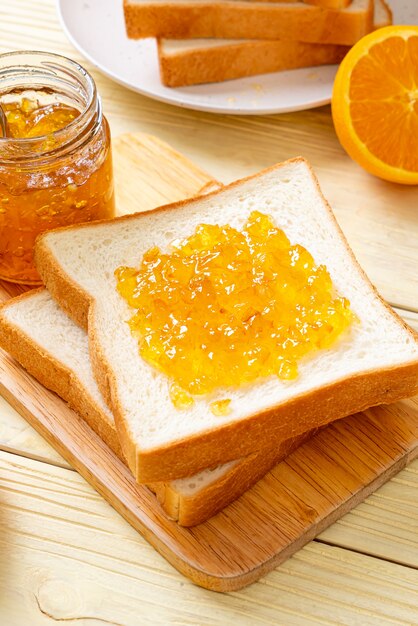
<point x="66" y="556"/>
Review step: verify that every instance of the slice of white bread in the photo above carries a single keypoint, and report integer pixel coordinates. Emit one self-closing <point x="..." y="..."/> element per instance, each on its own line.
<point x="244" y="19"/>
<point x="43" y="339"/>
<point x="193" y="61"/>
<point x="375" y="363"/>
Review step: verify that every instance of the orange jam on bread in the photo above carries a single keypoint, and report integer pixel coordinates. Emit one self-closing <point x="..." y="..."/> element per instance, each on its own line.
<point x="226" y="307"/>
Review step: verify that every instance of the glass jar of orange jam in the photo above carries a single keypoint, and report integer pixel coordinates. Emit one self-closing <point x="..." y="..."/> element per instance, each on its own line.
<point x="55" y="159"/>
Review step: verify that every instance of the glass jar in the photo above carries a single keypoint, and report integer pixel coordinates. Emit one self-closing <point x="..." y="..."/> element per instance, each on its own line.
<point x="59" y="178"/>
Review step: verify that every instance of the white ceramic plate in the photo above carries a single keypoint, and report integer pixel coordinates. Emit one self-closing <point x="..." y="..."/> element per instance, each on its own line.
<point x="96" y="28"/>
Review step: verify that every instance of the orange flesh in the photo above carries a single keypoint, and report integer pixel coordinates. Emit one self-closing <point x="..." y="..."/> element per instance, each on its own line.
<point x="226" y="307"/>
<point x="384" y="101"/>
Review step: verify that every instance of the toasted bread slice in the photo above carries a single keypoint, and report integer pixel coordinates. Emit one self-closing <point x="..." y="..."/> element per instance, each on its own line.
<point x="193" y="61"/>
<point x="54" y="350"/>
<point x="244" y="19"/>
<point x="375" y="363"/>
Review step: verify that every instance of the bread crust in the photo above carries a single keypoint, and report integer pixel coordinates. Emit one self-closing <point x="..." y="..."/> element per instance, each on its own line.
<point x="330" y="4"/>
<point x="208" y="65"/>
<point x="73" y="300"/>
<point x="193" y="510"/>
<point x="247" y="20"/>
<point x="51" y="373"/>
<point x="317" y="409"/>
<point x="304" y="412"/>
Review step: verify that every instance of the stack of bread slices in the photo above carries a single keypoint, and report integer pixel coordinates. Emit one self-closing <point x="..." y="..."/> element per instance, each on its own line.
<point x="202" y="41"/>
<point x="73" y="336"/>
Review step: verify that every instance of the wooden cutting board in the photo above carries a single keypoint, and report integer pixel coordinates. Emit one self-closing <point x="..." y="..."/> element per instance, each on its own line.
<point x="316" y="485"/>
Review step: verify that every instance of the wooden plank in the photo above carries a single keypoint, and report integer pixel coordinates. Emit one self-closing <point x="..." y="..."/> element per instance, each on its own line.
<point x="70" y="558"/>
<point x="380" y="219"/>
<point x="410" y="317"/>
<point x="17" y="436"/>
<point x="162" y="175"/>
<point x="386" y="524"/>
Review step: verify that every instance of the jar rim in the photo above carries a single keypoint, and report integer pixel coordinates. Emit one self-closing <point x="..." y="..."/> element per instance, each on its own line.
<point x="51" y="62"/>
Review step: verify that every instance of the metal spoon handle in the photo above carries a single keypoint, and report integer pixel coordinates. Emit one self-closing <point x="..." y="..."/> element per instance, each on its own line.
<point x="3" y="122"/>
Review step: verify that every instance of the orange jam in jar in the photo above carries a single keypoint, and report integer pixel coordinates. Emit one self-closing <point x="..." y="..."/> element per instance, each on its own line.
<point x="55" y="159"/>
<point x="226" y="307"/>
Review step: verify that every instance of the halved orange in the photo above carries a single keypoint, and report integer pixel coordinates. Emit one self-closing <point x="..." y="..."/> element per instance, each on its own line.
<point x="375" y="103"/>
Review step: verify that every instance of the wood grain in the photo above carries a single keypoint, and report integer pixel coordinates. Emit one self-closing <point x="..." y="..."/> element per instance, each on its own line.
<point x="291" y="505"/>
<point x="386" y="524"/>
<point x="67" y="557"/>
<point x="18" y="437"/>
<point x="162" y="175"/>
